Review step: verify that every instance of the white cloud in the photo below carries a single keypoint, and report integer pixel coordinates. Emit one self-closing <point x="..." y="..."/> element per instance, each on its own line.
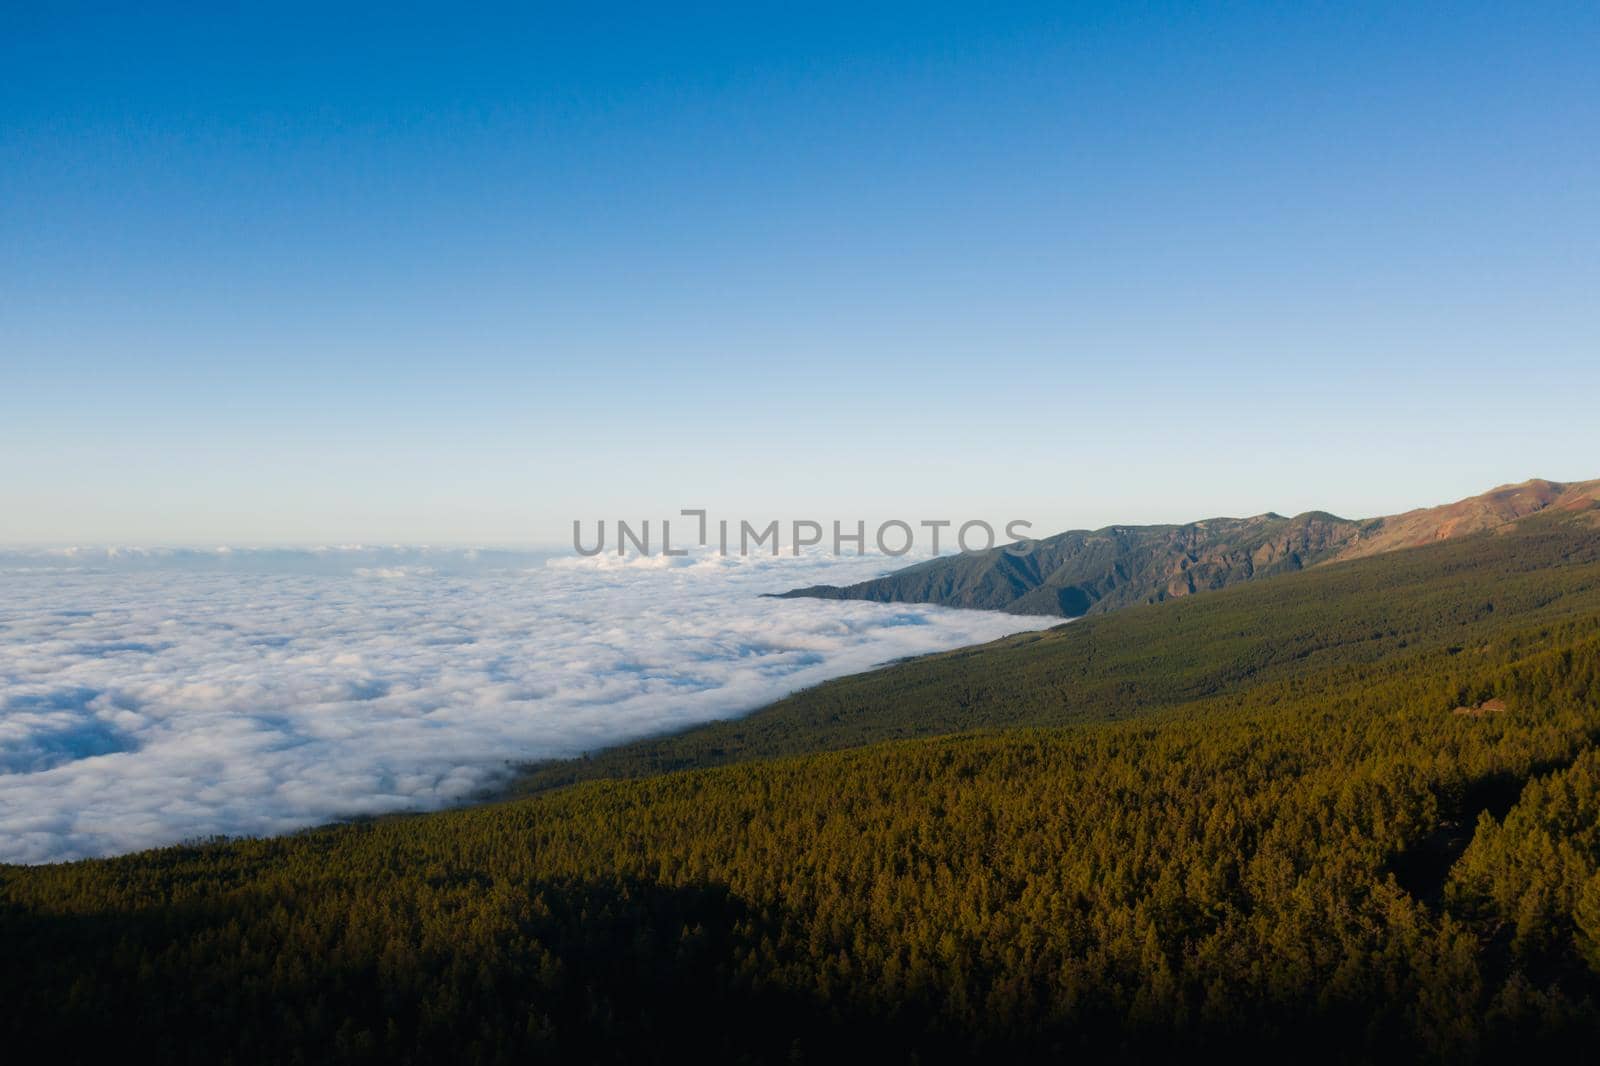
<point x="147" y="698"/>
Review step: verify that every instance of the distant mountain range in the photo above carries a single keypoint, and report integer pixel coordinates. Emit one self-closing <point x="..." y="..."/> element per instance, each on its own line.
<point x="1091" y="571"/>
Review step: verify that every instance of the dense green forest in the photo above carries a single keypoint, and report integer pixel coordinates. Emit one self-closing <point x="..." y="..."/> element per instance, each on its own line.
<point x="1346" y="814"/>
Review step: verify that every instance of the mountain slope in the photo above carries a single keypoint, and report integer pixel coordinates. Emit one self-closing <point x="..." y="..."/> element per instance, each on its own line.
<point x="1493" y="510"/>
<point x="1084" y="571"/>
<point x="1127" y="664"/>
<point x="1091" y="571"/>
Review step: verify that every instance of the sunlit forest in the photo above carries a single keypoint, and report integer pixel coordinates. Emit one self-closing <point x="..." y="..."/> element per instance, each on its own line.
<point x="1346" y="814"/>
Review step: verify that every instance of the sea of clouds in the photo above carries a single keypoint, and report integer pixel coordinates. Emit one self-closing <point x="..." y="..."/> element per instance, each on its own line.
<point x="152" y="697"/>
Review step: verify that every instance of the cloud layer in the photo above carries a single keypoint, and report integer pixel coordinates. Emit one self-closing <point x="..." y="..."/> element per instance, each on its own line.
<point x="149" y="698"/>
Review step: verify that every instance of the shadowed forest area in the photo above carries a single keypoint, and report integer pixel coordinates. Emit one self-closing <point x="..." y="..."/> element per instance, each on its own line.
<point x="1346" y="814"/>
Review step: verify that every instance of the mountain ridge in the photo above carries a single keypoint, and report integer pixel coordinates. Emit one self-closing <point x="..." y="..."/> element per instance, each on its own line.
<point x="1080" y="572"/>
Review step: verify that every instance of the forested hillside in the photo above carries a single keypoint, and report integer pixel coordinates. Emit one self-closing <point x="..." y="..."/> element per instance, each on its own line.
<point x="1092" y="571"/>
<point x="1340" y="816"/>
<point x="1438" y="599"/>
<point x="1084" y="572"/>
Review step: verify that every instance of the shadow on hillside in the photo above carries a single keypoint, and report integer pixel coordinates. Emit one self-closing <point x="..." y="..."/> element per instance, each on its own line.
<point x="587" y="972"/>
<point x="370" y="968"/>
<point x="1423" y="870"/>
<point x="617" y="972"/>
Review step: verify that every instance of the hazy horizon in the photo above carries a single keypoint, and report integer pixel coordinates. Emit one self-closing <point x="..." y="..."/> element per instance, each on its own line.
<point x="563" y="545"/>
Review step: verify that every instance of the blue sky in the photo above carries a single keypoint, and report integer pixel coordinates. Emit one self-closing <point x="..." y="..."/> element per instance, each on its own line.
<point x="436" y="274"/>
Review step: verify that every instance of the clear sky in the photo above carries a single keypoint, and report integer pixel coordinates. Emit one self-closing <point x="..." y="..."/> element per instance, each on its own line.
<point x="451" y="273"/>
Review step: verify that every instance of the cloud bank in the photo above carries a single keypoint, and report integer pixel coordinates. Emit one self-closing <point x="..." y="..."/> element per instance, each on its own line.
<point x="149" y="698"/>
